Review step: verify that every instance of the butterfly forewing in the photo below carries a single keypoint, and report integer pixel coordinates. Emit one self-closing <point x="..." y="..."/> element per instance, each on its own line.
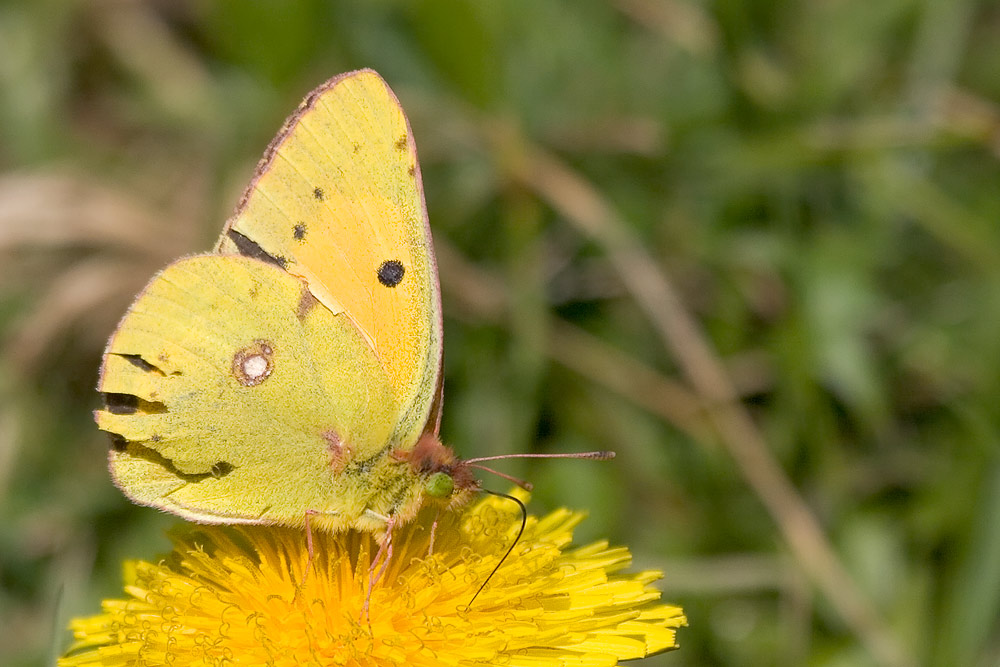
<point x="337" y="200"/>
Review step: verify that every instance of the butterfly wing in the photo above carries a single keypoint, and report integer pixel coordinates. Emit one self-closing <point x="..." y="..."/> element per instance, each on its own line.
<point x="337" y="200"/>
<point x="285" y="373"/>
<point x="234" y="396"/>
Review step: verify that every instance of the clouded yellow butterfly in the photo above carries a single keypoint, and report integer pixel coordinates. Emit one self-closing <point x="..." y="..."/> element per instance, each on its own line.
<point x="296" y="369"/>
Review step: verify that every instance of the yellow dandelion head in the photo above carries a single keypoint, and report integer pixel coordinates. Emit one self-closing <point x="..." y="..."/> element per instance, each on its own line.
<point x="236" y="595"/>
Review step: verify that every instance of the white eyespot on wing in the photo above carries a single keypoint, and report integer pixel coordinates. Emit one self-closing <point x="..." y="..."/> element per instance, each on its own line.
<point x="254" y="363"/>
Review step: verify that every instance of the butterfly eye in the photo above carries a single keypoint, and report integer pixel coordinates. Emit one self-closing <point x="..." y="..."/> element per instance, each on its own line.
<point x="439" y="485"/>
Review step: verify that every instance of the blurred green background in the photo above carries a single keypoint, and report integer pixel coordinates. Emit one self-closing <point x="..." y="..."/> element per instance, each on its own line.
<point x="751" y="246"/>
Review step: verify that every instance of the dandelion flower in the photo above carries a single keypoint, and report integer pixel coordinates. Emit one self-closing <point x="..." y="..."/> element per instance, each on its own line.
<point x="236" y="595"/>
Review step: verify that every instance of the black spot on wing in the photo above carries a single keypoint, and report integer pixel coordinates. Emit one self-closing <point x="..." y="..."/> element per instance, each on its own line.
<point x="250" y="248"/>
<point x="139" y="451"/>
<point x="128" y="404"/>
<point x="401" y="143"/>
<point x="318" y="194"/>
<point x="121" y="404"/>
<point x="118" y="443"/>
<point x="140" y="363"/>
<point x="391" y="272"/>
<point x="221" y="469"/>
<point x="299" y="231"/>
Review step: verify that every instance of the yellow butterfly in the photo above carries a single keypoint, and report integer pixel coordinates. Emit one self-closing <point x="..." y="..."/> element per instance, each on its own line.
<point x="294" y="374"/>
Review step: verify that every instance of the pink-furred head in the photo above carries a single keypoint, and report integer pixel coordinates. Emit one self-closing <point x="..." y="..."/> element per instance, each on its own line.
<point x="445" y="476"/>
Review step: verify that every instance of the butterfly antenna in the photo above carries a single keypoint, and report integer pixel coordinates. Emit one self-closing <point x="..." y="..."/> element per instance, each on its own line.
<point x="524" y="522"/>
<point x="524" y="484"/>
<point x="592" y="456"/>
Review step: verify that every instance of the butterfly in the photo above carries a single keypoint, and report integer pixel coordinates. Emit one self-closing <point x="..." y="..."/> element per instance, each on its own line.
<point x="296" y="368"/>
<point x="292" y="376"/>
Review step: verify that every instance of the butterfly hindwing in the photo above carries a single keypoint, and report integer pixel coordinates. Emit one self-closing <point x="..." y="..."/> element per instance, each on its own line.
<point x="230" y="389"/>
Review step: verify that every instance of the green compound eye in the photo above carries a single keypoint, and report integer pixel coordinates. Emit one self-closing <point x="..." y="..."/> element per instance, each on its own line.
<point x="439" y="485"/>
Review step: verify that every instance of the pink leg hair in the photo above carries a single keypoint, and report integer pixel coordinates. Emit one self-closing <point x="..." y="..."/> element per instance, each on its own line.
<point x="309" y="547"/>
<point x="384" y="555"/>
<point x="434" y="527"/>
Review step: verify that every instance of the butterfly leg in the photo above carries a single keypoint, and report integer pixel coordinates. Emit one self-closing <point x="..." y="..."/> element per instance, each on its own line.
<point x="309" y="547"/>
<point x="434" y="527"/>
<point x="378" y="566"/>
